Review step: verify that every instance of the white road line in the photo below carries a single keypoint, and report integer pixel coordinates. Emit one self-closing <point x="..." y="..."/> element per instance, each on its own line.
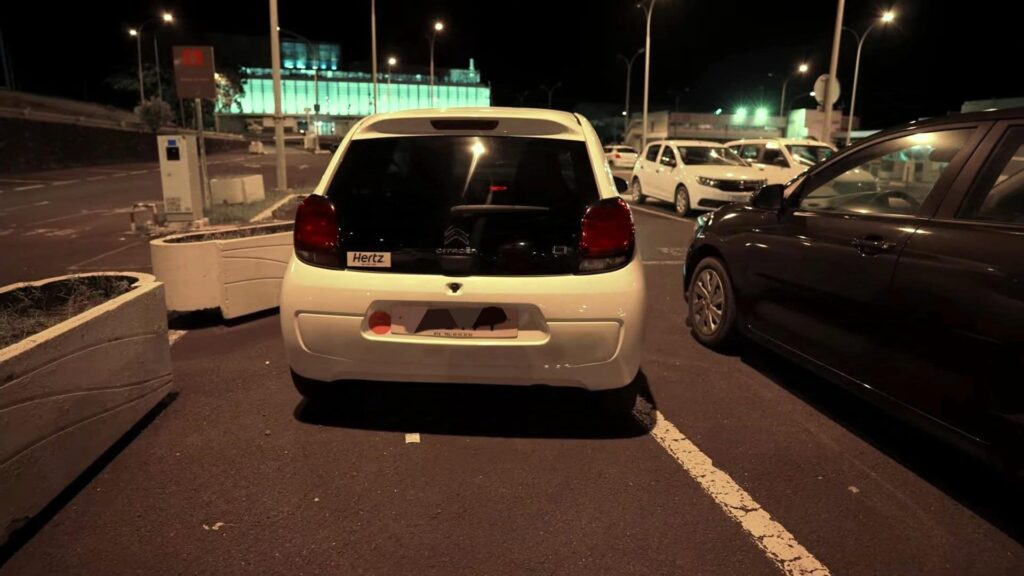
<point x="175" y="335"/>
<point x="137" y="172"/>
<point x="96" y="178"/>
<point x="662" y="262"/>
<point x="659" y="213"/>
<point x="780" y="546"/>
<point x="119" y="175"/>
<point x="28" y="187"/>
<point x="65" y="217"/>
<point x="16" y="181"/>
<point x="63" y="182"/>
<point x="105" y="254"/>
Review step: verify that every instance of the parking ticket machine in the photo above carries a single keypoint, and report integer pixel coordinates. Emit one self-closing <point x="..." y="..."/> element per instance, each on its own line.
<point x="180" y="176"/>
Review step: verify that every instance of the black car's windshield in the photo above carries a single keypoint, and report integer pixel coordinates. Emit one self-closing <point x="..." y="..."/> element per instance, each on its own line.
<point x="809" y="155"/>
<point x="709" y="156"/>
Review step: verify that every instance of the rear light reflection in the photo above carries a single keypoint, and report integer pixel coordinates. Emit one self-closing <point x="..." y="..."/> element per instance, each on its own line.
<point x="316" y="232"/>
<point x="607" y="238"/>
<point x="379" y="322"/>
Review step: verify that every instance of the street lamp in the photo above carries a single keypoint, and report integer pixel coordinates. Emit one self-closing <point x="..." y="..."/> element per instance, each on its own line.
<point x="438" y="27"/>
<point x="648" y="6"/>
<point x="391" y="64"/>
<point x="629" y="76"/>
<point x="802" y="69"/>
<point x="166" y="18"/>
<point x="887" y="18"/>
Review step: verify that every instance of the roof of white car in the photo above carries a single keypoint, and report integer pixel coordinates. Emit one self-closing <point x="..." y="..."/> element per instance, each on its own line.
<point x="690" y="143"/>
<point x="790" y="141"/>
<point x="511" y="122"/>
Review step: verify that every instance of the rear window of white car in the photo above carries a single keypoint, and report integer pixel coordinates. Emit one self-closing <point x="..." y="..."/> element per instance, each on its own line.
<point x="465" y="204"/>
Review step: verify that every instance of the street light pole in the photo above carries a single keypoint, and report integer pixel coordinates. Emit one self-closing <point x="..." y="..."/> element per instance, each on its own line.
<point x="391" y="64"/>
<point x="832" y="69"/>
<point x="782" y="103"/>
<point x="373" y="50"/>
<point x="137" y="32"/>
<point x="886" y="19"/>
<point x="275" y="63"/>
<point x="649" y="10"/>
<point x="629" y="77"/>
<point x="166" y="17"/>
<point x="438" y="26"/>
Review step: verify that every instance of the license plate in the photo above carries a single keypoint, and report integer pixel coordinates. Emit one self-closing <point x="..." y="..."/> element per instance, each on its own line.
<point x="472" y="322"/>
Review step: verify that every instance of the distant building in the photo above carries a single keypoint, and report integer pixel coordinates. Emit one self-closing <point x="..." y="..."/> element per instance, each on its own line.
<point x="992" y="104"/>
<point x="312" y="74"/>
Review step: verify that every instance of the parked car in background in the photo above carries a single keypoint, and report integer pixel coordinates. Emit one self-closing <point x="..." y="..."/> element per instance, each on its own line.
<point x="478" y="246"/>
<point x="693" y="175"/>
<point x="620" y="156"/>
<point x="782" y="159"/>
<point x="911" y="293"/>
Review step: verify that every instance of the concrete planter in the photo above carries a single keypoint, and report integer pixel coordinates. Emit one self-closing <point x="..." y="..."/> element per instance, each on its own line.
<point x="204" y="270"/>
<point x="69" y="392"/>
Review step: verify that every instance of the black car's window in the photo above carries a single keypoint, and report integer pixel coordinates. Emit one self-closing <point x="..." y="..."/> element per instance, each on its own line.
<point x="774" y="157"/>
<point x="998" y="194"/>
<point x="652" y="152"/>
<point x="893" y="177"/>
<point x="462" y="204"/>
<point x="709" y="156"/>
<point x="668" y="157"/>
<point x="750" y="152"/>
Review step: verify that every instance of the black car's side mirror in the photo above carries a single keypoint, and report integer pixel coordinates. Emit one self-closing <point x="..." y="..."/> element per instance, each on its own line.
<point x="621" y="185"/>
<point x="769" y="197"/>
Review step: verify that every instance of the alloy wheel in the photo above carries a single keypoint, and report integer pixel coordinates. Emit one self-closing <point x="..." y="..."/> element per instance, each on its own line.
<point x="708" y="302"/>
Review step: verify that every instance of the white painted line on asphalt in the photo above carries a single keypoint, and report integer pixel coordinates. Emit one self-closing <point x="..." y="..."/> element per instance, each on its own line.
<point x="16" y="181"/>
<point x="96" y="178"/>
<point x="66" y="216"/>
<point x="28" y="187"/>
<point x="63" y="182"/>
<point x="138" y="172"/>
<point x="659" y="213"/>
<point x="103" y="170"/>
<point x="119" y="175"/>
<point x="663" y="262"/>
<point x="175" y="335"/>
<point x="105" y="254"/>
<point x="412" y="437"/>
<point x="779" y="545"/>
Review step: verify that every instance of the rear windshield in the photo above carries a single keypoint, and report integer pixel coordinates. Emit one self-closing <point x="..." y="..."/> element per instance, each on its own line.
<point x="464" y="204"/>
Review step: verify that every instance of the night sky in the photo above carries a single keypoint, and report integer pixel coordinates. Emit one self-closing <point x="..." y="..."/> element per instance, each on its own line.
<point x="706" y="54"/>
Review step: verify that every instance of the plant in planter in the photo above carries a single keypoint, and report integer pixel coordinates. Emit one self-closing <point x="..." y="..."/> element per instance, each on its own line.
<point x="237" y="270"/>
<point x="82" y="359"/>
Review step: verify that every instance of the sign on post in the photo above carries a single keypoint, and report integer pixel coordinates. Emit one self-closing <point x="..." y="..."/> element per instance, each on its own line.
<point x="194" y="72"/>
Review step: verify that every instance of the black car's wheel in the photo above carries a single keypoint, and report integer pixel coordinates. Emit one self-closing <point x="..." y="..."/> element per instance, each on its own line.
<point x="638" y="192"/>
<point x="682" y="200"/>
<point x="713" y="316"/>
<point x="312" y="390"/>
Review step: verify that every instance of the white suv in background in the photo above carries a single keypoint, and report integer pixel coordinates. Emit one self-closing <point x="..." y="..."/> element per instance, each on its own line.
<point x="483" y="246"/>
<point x="693" y="175"/>
<point x="782" y="159"/>
<point x="620" y="156"/>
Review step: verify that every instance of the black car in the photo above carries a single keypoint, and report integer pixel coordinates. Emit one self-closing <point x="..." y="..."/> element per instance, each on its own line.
<point x="896" y="268"/>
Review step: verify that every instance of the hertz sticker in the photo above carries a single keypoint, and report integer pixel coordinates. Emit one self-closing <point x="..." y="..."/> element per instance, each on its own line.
<point x="369" y="259"/>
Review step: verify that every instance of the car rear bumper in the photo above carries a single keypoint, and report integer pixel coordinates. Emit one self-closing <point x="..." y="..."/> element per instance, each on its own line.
<point x="579" y="331"/>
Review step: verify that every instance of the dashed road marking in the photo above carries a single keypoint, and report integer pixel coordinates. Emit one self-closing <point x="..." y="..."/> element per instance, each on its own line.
<point x="138" y="172"/>
<point x="63" y="182"/>
<point x="78" y="265"/>
<point x="119" y="175"/>
<point x="33" y="187"/>
<point x="96" y="178"/>
<point x="19" y="181"/>
<point x="776" y="542"/>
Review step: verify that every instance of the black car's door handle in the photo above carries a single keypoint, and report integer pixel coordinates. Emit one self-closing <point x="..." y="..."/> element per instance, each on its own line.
<point x="871" y="245"/>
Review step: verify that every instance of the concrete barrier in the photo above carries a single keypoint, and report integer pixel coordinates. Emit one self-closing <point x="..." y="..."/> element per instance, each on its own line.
<point x="241" y="275"/>
<point x="237" y="189"/>
<point x="68" y="393"/>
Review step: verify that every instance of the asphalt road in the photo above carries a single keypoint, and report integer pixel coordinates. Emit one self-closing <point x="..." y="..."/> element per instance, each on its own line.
<point x="63" y="221"/>
<point x="236" y="475"/>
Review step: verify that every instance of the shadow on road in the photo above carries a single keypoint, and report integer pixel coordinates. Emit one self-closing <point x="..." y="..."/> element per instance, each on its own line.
<point x="210" y="318"/>
<point x="479" y="410"/>
<point x="978" y="485"/>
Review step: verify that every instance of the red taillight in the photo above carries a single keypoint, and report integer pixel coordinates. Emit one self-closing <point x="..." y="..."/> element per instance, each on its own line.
<point x="379" y="322"/>
<point x="608" y="238"/>
<point x="316" y="232"/>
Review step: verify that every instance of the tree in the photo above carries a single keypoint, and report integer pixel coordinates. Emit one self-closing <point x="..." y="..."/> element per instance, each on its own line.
<point x="154" y="113"/>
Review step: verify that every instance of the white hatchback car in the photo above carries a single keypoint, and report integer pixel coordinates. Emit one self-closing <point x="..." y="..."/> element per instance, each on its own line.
<point x="620" y="156"/>
<point x="782" y="159"/>
<point x="483" y="246"/>
<point x="693" y="174"/>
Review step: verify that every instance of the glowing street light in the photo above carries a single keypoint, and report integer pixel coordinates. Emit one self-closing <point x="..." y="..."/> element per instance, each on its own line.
<point x="888" y="17"/>
<point x="802" y="69"/>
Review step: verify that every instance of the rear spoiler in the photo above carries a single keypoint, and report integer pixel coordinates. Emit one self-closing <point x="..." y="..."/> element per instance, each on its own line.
<point x="471" y="126"/>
